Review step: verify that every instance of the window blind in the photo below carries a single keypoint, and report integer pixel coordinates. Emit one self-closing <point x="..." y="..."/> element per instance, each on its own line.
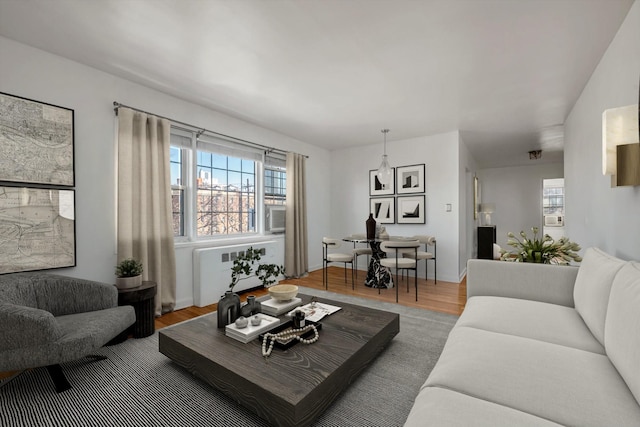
<point x="228" y="148"/>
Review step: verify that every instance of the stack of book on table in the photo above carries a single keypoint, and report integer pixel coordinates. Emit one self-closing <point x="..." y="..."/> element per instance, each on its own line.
<point x="274" y="307"/>
<point x="251" y="332"/>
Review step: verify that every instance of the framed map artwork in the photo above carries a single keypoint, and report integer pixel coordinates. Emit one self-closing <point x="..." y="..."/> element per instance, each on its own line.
<point x="36" y="142"/>
<point x="37" y="229"/>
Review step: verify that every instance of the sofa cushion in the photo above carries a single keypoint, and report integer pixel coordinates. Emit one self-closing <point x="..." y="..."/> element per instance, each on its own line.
<point x="552" y="323"/>
<point x="562" y="384"/>
<point x="622" y="329"/>
<point x="592" y="288"/>
<point x="439" y="407"/>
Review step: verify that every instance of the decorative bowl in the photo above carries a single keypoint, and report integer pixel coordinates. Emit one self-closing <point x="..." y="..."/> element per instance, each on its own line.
<point x="283" y="292"/>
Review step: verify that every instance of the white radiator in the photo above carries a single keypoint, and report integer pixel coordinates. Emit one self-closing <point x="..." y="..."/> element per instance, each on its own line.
<point x="212" y="275"/>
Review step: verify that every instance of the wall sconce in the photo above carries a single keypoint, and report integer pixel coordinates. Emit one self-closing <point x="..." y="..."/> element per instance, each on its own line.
<point x="487" y="209"/>
<point x="621" y="145"/>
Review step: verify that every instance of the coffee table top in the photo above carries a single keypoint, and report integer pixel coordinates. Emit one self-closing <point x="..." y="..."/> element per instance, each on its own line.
<point x="292" y="386"/>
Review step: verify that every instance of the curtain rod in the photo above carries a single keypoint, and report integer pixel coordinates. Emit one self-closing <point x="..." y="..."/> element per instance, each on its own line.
<point x="201" y="130"/>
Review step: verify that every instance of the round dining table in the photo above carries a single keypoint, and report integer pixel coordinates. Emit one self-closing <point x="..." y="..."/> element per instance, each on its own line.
<point x="377" y="275"/>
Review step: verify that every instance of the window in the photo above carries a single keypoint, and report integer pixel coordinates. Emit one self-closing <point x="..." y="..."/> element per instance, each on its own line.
<point x="553" y="200"/>
<point x="177" y="190"/>
<point x="275" y="186"/>
<point x="220" y="188"/>
<point x="226" y="200"/>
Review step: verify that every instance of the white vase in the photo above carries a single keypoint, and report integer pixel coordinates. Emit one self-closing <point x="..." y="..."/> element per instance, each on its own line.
<point x="129" y="282"/>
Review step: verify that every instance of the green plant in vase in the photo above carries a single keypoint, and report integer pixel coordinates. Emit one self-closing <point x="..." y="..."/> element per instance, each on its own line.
<point x="243" y="267"/>
<point x="129" y="273"/>
<point x="543" y="250"/>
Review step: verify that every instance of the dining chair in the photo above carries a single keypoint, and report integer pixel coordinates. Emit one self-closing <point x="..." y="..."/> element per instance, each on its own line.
<point x="426" y="255"/>
<point x="358" y="251"/>
<point x="395" y="259"/>
<point x="329" y="257"/>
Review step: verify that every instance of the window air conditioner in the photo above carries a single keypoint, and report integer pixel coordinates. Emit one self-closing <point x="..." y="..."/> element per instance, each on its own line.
<point x="554" y="220"/>
<point x="275" y="218"/>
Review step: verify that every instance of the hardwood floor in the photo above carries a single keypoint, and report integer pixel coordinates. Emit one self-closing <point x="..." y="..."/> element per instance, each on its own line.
<point x="445" y="297"/>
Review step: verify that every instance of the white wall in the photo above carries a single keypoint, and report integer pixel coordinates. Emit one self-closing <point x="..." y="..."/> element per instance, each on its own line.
<point x="517" y="194"/>
<point x="466" y="223"/>
<point x="349" y="181"/>
<point x="596" y="214"/>
<point x="32" y="73"/>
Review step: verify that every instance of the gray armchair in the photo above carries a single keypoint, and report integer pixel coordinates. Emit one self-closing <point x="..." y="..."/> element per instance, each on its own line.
<point x="47" y="319"/>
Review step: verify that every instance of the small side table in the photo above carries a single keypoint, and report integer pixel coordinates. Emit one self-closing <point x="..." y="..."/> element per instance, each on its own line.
<point x="143" y="302"/>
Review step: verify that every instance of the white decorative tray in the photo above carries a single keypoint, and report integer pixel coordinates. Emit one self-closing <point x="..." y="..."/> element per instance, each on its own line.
<point x="251" y="332"/>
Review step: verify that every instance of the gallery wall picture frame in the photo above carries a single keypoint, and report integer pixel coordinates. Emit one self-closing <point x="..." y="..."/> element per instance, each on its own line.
<point x="38" y="228"/>
<point x="410" y="179"/>
<point x="36" y="142"/>
<point x="411" y="210"/>
<point x="376" y="188"/>
<point x="383" y="209"/>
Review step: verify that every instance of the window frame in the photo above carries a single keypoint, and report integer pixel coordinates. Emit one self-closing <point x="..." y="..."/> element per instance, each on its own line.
<point x="279" y="198"/>
<point x="189" y="187"/>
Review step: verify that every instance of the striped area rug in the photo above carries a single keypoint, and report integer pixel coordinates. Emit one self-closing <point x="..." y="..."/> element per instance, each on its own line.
<point x="139" y="386"/>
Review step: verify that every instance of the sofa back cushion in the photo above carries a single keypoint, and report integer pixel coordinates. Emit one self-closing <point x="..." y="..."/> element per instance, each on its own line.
<point x="622" y="328"/>
<point x="17" y="288"/>
<point x="592" y="288"/>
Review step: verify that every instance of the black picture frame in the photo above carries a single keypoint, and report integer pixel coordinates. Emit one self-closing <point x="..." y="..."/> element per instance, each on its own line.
<point x="411" y="210"/>
<point x="36" y="142"/>
<point x="410" y="179"/>
<point x="383" y="209"/>
<point x="377" y="189"/>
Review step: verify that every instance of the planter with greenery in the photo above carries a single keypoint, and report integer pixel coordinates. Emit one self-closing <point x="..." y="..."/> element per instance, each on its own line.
<point x="243" y="268"/>
<point x="128" y="273"/>
<point x="543" y="250"/>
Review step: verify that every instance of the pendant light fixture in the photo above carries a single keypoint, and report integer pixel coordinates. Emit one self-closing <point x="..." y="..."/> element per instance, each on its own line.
<point x="384" y="170"/>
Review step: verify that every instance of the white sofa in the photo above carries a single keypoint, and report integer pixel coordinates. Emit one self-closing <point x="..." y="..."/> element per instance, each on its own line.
<point x="540" y="345"/>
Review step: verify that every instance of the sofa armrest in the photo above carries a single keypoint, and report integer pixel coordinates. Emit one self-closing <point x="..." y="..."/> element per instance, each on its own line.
<point x="62" y="295"/>
<point x="22" y="326"/>
<point x="537" y="282"/>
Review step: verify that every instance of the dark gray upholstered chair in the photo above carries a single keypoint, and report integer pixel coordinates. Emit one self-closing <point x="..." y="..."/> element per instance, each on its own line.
<point x="47" y="319"/>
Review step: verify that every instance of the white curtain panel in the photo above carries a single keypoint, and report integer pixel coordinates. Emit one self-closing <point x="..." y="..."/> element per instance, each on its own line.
<point x="296" y="259"/>
<point x="145" y="230"/>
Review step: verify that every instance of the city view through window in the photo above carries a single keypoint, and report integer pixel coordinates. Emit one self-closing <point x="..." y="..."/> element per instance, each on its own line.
<point x="224" y="191"/>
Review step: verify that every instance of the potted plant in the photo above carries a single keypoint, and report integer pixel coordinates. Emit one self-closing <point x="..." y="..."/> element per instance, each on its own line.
<point x="543" y="250"/>
<point x="243" y="267"/>
<point x="229" y="307"/>
<point x="128" y="274"/>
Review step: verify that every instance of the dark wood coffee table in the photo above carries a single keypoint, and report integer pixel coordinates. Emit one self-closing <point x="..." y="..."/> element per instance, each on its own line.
<point x="293" y="386"/>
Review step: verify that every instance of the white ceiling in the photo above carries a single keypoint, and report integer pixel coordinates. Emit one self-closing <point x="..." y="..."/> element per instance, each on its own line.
<point x="334" y="72"/>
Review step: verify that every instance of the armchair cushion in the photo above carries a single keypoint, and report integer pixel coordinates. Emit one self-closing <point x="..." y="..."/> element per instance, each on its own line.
<point x="46" y="319"/>
<point x="26" y="326"/>
<point x="57" y="294"/>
